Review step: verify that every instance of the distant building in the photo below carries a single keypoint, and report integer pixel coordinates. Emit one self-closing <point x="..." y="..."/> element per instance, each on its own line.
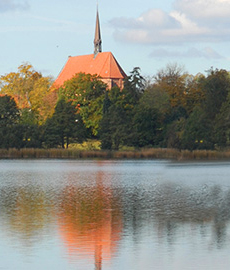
<point x="100" y="63"/>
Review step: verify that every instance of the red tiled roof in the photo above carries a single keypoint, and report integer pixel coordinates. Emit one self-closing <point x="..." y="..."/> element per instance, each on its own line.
<point x="104" y="65"/>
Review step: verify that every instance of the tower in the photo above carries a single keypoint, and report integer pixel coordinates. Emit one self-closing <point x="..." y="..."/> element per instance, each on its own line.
<point x="97" y="39"/>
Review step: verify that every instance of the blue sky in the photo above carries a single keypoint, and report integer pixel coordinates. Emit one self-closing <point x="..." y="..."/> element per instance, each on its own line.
<point x="148" y="34"/>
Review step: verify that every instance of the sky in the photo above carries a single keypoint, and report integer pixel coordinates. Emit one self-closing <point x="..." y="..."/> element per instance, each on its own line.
<point x="194" y="34"/>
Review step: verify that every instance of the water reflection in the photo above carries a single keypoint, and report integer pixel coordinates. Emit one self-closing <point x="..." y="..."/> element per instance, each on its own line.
<point x="97" y="212"/>
<point x="90" y="220"/>
<point x="168" y="205"/>
<point x="208" y="204"/>
<point x="25" y="212"/>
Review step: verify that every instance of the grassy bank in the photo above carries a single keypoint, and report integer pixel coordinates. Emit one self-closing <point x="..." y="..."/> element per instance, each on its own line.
<point x="152" y="153"/>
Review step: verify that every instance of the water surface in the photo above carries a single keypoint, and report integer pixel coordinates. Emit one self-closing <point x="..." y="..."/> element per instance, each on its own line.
<point x="114" y="215"/>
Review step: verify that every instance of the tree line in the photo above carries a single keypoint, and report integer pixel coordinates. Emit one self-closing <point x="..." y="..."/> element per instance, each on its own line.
<point x="173" y="109"/>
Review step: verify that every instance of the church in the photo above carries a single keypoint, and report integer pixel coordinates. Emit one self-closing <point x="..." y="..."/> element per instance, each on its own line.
<point x="103" y="64"/>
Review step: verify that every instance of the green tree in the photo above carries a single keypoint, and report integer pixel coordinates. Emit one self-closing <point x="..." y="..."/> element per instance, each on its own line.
<point x="9" y="122"/>
<point x="134" y="85"/>
<point x="86" y="92"/>
<point x="105" y="132"/>
<point x="146" y="127"/>
<point x="222" y="125"/>
<point x="30" y="129"/>
<point x="196" y="134"/>
<point x="216" y="87"/>
<point x="114" y="125"/>
<point x="64" y="126"/>
<point x="173" y="132"/>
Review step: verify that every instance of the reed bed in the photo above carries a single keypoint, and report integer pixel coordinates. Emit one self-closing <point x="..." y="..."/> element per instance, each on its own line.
<point x="151" y="153"/>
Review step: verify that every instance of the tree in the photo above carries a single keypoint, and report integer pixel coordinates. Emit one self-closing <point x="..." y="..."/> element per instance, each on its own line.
<point x="222" y="125"/>
<point x="196" y="134"/>
<point x="64" y="126"/>
<point x="86" y="92"/>
<point x="30" y="90"/>
<point x="194" y="94"/>
<point x="157" y="98"/>
<point x="43" y="99"/>
<point x="9" y="120"/>
<point x="149" y="116"/>
<point x="105" y="132"/>
<point x="30" y="129"/>
<point x="216" y="87"/>
<point x="114" y="125"/>
<point x="185" y="94"/>
<point x="172" y="80"/>
<point x="8" y="111"/>
<point x="118" y="111"/>
<point x="172" y="134"/>
<point x="134" y="85"/>
<point x="146" y="127"/>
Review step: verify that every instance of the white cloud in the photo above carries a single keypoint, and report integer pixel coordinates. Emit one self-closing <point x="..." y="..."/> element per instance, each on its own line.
<point x="149" y="19"/>
<point x="7" y="5"/>
<point x="205" y="9"/>
<point x="190" y="21"/>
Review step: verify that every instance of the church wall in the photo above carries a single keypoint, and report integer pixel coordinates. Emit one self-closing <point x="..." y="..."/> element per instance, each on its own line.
<point x="114" y="82"/>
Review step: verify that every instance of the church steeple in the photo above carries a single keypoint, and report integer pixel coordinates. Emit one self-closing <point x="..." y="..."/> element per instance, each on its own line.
<point x="97" y="39"/>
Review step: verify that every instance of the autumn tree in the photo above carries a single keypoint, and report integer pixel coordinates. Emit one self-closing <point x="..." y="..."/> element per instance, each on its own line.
<point x="184" y="90"/>
<point x="194" y="94"/>
<point x="30" y="90"/>
<point x="171" y="79"/>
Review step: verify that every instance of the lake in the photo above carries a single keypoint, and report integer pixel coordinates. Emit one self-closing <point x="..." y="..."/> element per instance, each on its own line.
<point x="87" y="214"/>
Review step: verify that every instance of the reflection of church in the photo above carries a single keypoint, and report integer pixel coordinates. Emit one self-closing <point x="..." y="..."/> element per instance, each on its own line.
<point x="100" y="63"/>
<point x="90" y="220"/>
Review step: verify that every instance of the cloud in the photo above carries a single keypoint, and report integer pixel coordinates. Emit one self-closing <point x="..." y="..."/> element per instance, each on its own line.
<point x="188" y="22"/>
<point x="204" y="9"/>
<point x="151" y="18"/>
<point x="207" y="53"/>
<point x="8" y="5"/>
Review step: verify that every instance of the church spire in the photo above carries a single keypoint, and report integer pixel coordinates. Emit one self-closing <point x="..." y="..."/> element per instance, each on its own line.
<point x="97" y="39"/>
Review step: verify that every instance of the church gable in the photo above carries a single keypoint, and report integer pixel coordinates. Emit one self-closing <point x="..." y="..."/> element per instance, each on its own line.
<point x="111" y="68"/>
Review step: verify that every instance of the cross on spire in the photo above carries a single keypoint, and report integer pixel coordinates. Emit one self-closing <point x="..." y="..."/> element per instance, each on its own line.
<point x="97" y="39"/>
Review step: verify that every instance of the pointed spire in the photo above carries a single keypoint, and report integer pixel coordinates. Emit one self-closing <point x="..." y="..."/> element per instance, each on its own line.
<point x="97" y="39"/>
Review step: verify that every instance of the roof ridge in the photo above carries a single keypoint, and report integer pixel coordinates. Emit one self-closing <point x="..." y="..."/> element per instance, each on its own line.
<point x="117" y="66"/>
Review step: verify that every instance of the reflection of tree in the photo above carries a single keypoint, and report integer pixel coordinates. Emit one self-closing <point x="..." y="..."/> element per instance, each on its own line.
<point x="26" y="209"/>
<point x="169" y="205"/>
<point x="90" y="220"/>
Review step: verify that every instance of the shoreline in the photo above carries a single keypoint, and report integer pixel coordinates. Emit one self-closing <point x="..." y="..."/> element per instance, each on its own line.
<point x="151" y="153"/>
